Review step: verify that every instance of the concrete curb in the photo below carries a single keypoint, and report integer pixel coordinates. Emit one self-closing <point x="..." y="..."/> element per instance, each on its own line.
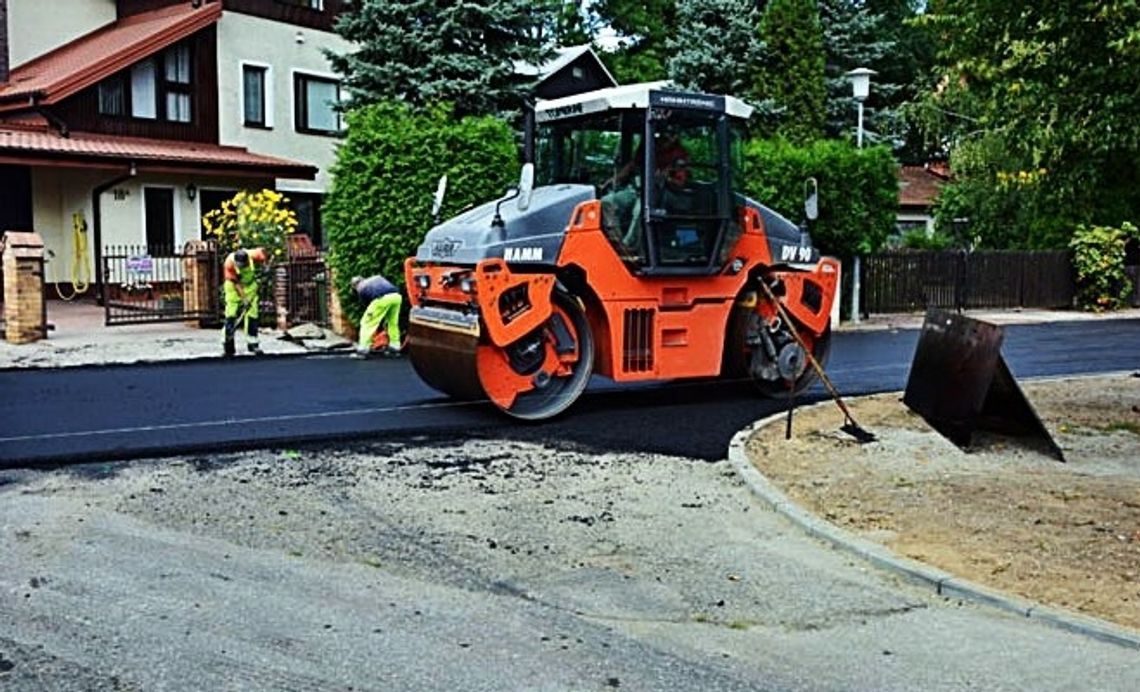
<point x="943" y="583"/>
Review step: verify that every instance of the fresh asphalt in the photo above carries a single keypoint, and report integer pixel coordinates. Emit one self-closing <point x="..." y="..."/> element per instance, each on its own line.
<point x="116" y="412"/>
<point x="379" y="568"/>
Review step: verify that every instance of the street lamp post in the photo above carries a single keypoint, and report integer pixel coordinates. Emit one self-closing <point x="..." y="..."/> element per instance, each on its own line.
<point x="860" y="87"/>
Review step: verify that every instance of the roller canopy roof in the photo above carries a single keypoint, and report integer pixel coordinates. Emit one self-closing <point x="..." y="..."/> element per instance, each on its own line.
<point x="645" y="95"/>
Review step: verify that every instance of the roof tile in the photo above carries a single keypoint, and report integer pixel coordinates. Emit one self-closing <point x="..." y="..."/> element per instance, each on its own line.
<point x="62" y="72"/>
<point x="26" y="141"/>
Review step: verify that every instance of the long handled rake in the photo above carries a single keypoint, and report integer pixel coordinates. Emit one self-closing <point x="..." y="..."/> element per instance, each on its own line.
<point x="849" y="426"/>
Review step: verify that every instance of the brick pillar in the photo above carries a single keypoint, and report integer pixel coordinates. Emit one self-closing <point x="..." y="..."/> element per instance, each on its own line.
<point x="338" y="321"/>
<point x="23" y="258"/>
<point x="198" y="285"/>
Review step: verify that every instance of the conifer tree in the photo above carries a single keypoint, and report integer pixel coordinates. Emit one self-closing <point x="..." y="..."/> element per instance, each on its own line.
<point x="428" y="51"/>
<point x="716" y="48"/>
<point x="794" y="74"/>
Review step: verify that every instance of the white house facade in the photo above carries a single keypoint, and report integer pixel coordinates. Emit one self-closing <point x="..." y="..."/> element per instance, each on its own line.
<point x="123" y="121"/>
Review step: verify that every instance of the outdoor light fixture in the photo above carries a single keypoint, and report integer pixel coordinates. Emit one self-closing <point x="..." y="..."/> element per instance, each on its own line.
<point x="861" y="88"/>
<point x="191" y="191"/>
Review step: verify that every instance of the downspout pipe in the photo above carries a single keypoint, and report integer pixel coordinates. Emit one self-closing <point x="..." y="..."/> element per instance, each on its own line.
<point x="97" y="226"/>
<point x="5" y="66"/>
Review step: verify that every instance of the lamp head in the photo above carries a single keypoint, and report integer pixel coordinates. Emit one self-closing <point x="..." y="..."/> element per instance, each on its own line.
<point x="861" y="82"/>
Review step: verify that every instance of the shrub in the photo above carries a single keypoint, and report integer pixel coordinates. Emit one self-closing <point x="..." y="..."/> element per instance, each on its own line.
<point x="858" y="190"/>
<point x="385" y="174"/>
<point x="1098" y="256"/>
<point x="919" y="239"/>
<point x="251" y="220"/>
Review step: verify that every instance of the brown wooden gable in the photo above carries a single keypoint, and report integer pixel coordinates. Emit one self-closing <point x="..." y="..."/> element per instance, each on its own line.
<point x="296" y="12"/>
<point x="81" y="112"/>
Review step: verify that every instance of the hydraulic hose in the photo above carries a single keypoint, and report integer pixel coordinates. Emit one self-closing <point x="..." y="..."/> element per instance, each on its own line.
<point x="80" y="275"/>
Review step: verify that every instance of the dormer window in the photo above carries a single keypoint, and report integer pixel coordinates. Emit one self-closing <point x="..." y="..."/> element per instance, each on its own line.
<point x="176" y="83"/>
<point x="113" y="96"/>
<point x="157" y="88"/>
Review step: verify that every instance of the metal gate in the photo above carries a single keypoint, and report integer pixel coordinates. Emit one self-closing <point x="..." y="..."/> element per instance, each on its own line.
<point x="144" y="284"/>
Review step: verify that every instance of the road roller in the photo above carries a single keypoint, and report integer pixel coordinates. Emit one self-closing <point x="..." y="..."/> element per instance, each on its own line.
<point x="628" y="251"/>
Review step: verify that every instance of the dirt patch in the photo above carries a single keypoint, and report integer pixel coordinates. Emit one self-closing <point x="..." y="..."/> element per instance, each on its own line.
<point x="1002" y="515"/>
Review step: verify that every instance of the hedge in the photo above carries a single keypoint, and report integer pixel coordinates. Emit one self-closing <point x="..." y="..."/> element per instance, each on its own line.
<point x="858" y="190"/>
<point x="385" y="175"/>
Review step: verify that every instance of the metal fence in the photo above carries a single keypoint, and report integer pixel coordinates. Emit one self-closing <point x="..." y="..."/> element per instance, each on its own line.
<point x="146" y="284"/>
<point x="302" y="289"/>
<point x="907" y="281"/>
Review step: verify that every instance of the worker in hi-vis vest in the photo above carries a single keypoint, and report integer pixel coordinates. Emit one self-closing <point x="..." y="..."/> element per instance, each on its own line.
<point x="239" y="287"/>
<point x="383" y="303"/>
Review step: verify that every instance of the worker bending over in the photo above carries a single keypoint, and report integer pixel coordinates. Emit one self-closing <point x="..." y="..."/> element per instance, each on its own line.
<point x="383" y="302"/>
<point x="240" y="291"/>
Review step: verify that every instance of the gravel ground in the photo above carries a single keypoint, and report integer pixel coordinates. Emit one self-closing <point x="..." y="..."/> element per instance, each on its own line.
<point x="482" y="564"/>
<point x="1005" y="513"/>
<point x="474" y="564"/>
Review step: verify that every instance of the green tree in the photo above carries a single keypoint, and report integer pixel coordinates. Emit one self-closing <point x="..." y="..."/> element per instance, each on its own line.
<point x="794" y="75"/>
<point x="716" y="47"/>
<point x="1098" y="256"/>
<point x="1039" y="110"/>
<point x="574" y="24"/>
<point x="386" y="171"/>
<point x="858" y="190"/>
<point x="430" y="51"/>
<point x="909" y="63"/>
<point x="643" y="28"/>
<point x="854" y="36"/>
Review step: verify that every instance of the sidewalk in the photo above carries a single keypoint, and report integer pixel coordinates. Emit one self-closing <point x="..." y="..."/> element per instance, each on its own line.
<point x="79" y="336"/>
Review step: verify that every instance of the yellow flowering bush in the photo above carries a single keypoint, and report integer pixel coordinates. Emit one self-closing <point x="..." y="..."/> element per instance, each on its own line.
<point x="252" y="219"/>
<point x="1098" y="256"/>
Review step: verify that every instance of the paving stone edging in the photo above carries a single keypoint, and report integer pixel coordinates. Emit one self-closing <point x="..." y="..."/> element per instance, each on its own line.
<point x="943" y="583"/>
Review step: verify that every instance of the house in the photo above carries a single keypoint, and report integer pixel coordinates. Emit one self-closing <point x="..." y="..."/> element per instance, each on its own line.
<point x="919" y="187"/>
<point x="570" y="70"/>
<point x="135" y="117"/>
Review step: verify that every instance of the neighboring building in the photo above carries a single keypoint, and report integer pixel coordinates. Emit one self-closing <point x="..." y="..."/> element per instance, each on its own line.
<point x="138" y="116"/>
<point x="571" y="70"/>
<point x="918" y="193"/>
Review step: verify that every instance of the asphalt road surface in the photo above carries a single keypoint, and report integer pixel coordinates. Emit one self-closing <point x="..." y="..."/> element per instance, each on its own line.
<point x="440" y="546"/>
<point x="117" y="412"/>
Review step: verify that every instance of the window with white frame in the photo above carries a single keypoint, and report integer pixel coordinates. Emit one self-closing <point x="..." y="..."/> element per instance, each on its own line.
<point x="256" y="98"/>
<point x="316" y="104"/>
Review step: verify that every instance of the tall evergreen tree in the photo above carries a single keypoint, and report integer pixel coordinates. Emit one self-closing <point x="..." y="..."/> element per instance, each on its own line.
<point x="574" y="23"/>
<point x="428" y="51"/>
<point x="643" y="27"/>
<point x="716" y="47"/>
<point x="794" y="75"/>
<point x="854" y="36"/>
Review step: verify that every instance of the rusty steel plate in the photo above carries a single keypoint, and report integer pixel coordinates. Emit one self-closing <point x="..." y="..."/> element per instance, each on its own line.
<point x="959" y="382"/>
